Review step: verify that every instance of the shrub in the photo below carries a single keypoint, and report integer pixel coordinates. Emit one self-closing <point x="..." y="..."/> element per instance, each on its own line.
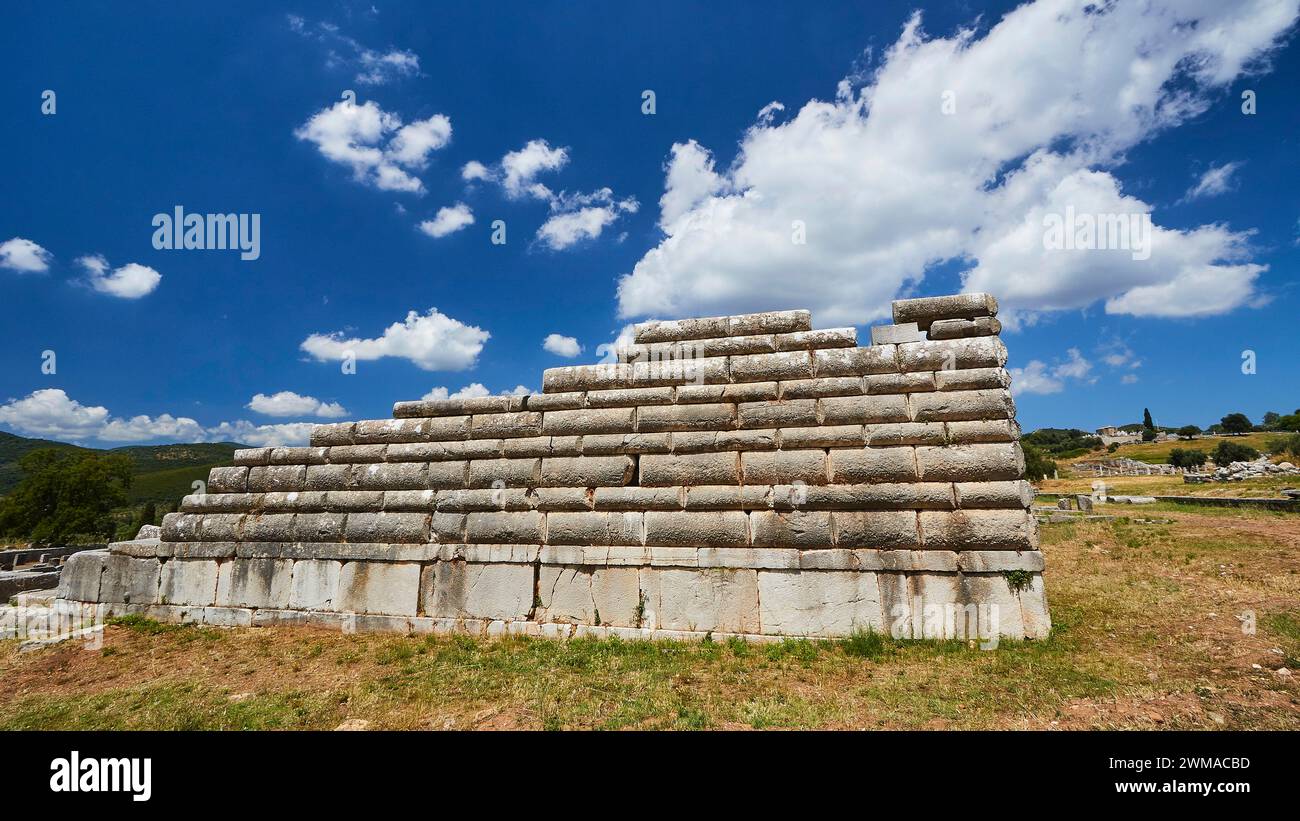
<point x="1180" y="458"/>
<point x="1037" y="464"/>
<point x="1236" y="423"/>
<point x="1228" y="452"/>
<point x="1189" y="432"/>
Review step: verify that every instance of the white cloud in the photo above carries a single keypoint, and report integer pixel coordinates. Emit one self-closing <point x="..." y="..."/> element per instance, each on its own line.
<point x="475" y="170"/>
<point x="1034" y="378"/>
<point x="565" y="346"/>
<point x="567" y="228"/>
<point x="432" y="341"/>
<point x="373" y="67"/>
<point x="51" y="413"/>
<point x="473" y="390"/>
<point x="288" y="403"/>
<point x="519" y="169"/>
<point x="378" y="68"/>
<point x="1076" y="367"/>
<point x="1217" y="180"/>
<point x="131" y="281"/>
<point x="25" y="256"/>
<point x="448" y="220"/>
<point x="887" y="185"/>
<point x="1128" y="379"/>
<point x="375" y="144"/>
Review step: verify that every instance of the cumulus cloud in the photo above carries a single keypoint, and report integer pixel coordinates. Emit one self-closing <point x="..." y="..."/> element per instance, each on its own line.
<point x="373" y="67"/>
<point x="131" y="281"/>
<point x="956" y="149"/>
<point x="432" y="341"/>
<point x="473" y="390"/>
<point x="288" y="403"/>
<point x="381" y="151"/>
<point x="1218" y="179"/>
<point x="566" y="346"/>
<point x="448" y="220"/>
<point x="581" y="218"/>
<point x="24" y="256"/>
<point x="51" y="413"/>
<point x="1038" y="377"/>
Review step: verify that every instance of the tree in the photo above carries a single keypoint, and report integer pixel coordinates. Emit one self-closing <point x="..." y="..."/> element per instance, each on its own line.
<point x="1148" y="434"/>
<point x="1270" y="419"/>
<point x="1037" y="465"/>
<point x="1236" y="423"/>
<point x="1289" y="422"/>
<point x="1146" y="419"/>
<point x="66" y="496"/>
<point x="1189" y="432"/>
<point x="1229" y="452"/>
<point x="1180" y="458"/>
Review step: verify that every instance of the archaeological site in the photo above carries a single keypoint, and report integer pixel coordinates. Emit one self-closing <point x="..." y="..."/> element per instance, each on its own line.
<point x="738" y="475"/>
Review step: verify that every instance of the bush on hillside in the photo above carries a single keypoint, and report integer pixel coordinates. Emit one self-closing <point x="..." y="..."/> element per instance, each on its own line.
<point x="1180" y="458"/>
<point x="1228" y="452"/>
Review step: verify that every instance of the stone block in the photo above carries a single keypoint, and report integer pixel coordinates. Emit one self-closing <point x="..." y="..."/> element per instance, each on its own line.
<point x="971" y="463"/>
<point x="595" y="528"/>
<point x="983" y="432"/>
<point x="79" y="579"/>
<point x="356" y="454"/>
<point x="479" y="591"/>
<point x="960" y="328"/>
<point x="335" y="433"/>
<point x="629" y="397"/>
<point x="485" y="473"/>
<point x="778" y="414"/>
<point x="824" y="436"/>
<point x="884" y="384"/>
<point x="962" y="406"/>
<point x="505" y="425"/>
<point x="690" y="469"/>
<point x="819" y="603"/>
<point x="926" y="310"/>
<point x="1009" y="494"/>
<point x="854" y="361"/>
<point x="268" y="527"/>
<point x="255" y="583"/>
<point x="379" y="587"/>
<point x="130" y="580"/>
<point x="729" y="528"/>
<point x="871" y="465"/>
<point x="228" y="480"/>
<point x="817" y="388"/>
<point x="505" y="527"/>
<point x="588" y="421"/>
<point x="189" y="582"/>
<point x="784" y="467"/>
<point x="328" y="477"/>
<point x="972" y="379"/>
<point x="894" y="334"/>
<point x="638" y="498"/>
<point x="893" y="434"/>
<point x="767" y="367"/>
<point x="881" y="496"/>
<point x="315" y="584"/>
<point x="857" y="410"/>
<point x="587" y="471"/>
<point x="563" y="498"/>
<point x="952" y="354"/>
<point x="604" y="595"/>
<point x="979" y="530"/>
<point x="659" y="419"/>
<point x="388" y="528"/>
<point x="740" y="392"/>
<point x="717" y="599"/>
<point x="727" y="497"/>
<point x="809" y="529"/>
<point x="876" y="529"/>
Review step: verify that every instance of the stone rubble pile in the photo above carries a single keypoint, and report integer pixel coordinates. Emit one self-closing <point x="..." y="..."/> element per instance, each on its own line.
<point x="1237" y="471"/>
<point x="739" y="475"/>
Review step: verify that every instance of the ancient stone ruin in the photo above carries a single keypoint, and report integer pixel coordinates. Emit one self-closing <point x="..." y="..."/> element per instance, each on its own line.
<point x="738" y="475"/>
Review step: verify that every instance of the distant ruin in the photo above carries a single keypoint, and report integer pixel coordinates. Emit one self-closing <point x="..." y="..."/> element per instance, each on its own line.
<point x="738" y="475"/>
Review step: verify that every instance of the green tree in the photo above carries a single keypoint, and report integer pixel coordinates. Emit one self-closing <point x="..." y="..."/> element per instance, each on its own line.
<point x="1270" y="419"/>
<point x="1228" y="452"/>
<point x="1189" y="431"/>
<point x="1236" y="423"/>
<point x="1146" y="419"/>
<point x="66" y="496"/>
<point x="1180" y="458"/>
<point x="1037" y="464"/>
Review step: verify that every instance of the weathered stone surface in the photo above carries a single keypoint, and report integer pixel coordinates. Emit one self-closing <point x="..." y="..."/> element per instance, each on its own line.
<point x="962" y="406"/>
<point x="853" y="362"/>
<point x="255" y="583"/>
<point x="379" y="587"/>
<point x="701" y="529"/>
<point x="958" y="328"/>
<point x="778" y="414"/>
<point x="720" y="600"/>
<point x="658" y="419"/>
<point x="894" y="334"/>
<point x="485" y="591"/>
<point x="848" y="410"/>
<point x="926" y="310"/>
<point x="189" y="582"/>
<point x="798" y="603"/>
<point x="690" y="469"/>
<point x="784" y="467"/>
<point x="979" y="530"/>
<point x="947" y="355"/>
<point x="315" y="584"/>
<point x="984" y="463"/>
<point x="869" y="465"/>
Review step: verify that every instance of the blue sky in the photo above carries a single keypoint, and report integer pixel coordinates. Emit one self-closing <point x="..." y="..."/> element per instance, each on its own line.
<point x="1137" y="110"/>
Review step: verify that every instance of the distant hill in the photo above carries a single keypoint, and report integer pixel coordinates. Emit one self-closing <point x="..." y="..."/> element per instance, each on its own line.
<point x="163" y="473"/>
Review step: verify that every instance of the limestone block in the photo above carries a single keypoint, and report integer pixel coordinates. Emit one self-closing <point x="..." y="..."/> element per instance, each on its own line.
<point x="883" y="384"/>
<point x="482" y="591"/>
<point x="447" y="528"/>
<point x="355" y="454"/>
<point x="824" y="436"/>
<point x="502" y="425"/>
<point x="464" y="501"/>
<point x="892" y="434"/>
<point x="870" y="465"/>
<point x="458" y="407"/>
<point x="228" y="480"/>
<point x="252" y="456"/>
<point x="129" y="580"/>
<point x="989" y="608"/>
<point x="815" y="339"/>
<point x="410" y="501"/>
<point x="379" y="587"/>
<point x="766" y="367"/>
<point x="181" y="527"/>
<point x="982" y="432"/>
<point x="336" y="433"/>
<point x="189" y="582"/>
<point x="228" y="617"/>
<point x="327" y="477"/>
<point x="952" y="354"/>
<point x="347" y="501"/>
<point x="587" y="471"/>
<point x="728" y="497"/>
<point x="894" y="334"/>
<point x="626" y="443"/>
<point x="959" y="406"/>
<point x="979" y="530"/>
<point x="255" y="583"/>
<point x="715" y="599"/>
<point x="299" y="456"/>
<point x="587" y="421"/>
<point x="392" y="476"/>
<point x="1010" y="494"/>
<point x="971" y="463"/>
<point x="526" y="447"/>
<point x="724" y="528"/>
<point x="267" y="478"/>
<point x="958" y="328"/>
<point x="605" y="595"/>
<point x="784" y="467"/>
<point x="639" y="498"/>
<point x="387" y="431"/>
<point x="819" y="603"/>
<point x="706" y="371"/>
<point x="817" y="388"/>
<point x="595" y="528"/>
<point x="629" y="397"/>
<point x="503" y="472"/>
<point x="268" y="527"/>
<point x="854" y="361"/>
<point x="556" y="401"/>
<point x="791" y="528"/>
<point x="79" y="579"/>
<point x="881" y="496"/>
<point x="1034" y="615"/>
<point x="690" y="469"/>
<point x="221" y="527"/>
<point x="562" y="498"/>
<point x="390" y="528"/>
<point x="218" y="502"/>
<point x="502" y="527"/>
<point x="877" y="529"/>
<point x="315" y="584"/>
<point x="925" y="310"/>
<point x="676" y="330"/>
<point x="972" y="379"/>
<point x="850" y="410"/>
<point x="659" y="419"/>
<point x="778" y="414"/>
<point x="740" y="392"/>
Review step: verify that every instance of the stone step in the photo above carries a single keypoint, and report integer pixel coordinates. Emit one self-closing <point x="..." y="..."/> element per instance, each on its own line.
<point x="713" y="327"/>
<point x="739" y="345"/>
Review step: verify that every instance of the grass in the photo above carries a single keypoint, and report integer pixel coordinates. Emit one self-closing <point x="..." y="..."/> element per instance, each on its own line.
<point x="1158" y="452"/>
<point x="1149" y="631"/>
